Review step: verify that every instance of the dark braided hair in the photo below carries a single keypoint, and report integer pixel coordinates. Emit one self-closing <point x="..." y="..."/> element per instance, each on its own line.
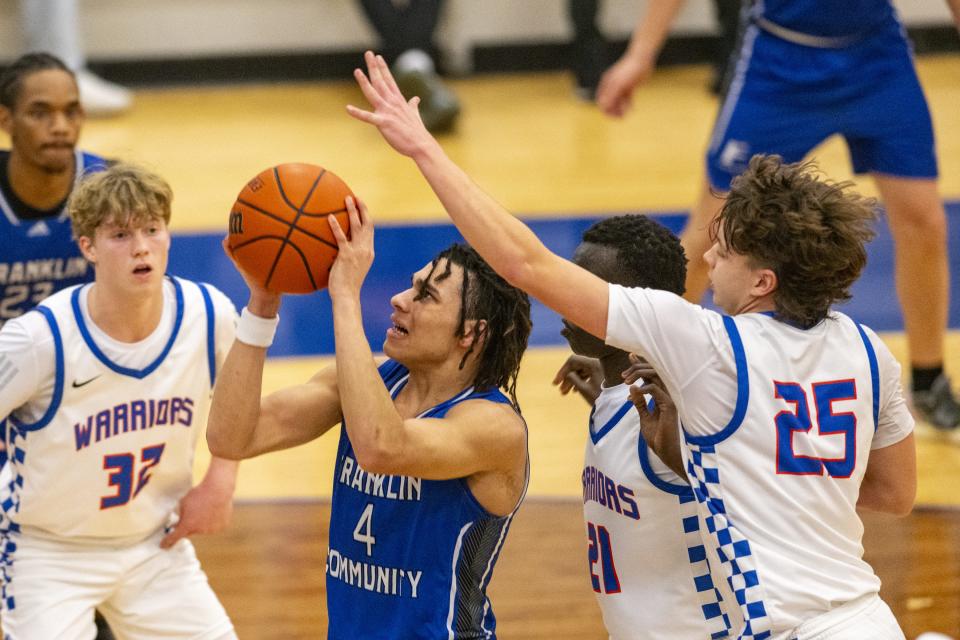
<point x="505" y="311"/>
<point x="13" y="75"/>
<point x="648" y="253"/>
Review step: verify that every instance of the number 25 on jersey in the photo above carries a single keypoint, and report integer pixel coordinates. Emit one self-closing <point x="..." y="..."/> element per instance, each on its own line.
<point x="794" y="424"/>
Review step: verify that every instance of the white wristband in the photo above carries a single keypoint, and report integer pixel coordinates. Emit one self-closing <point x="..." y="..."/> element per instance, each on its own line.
<point x="256" y="331"/>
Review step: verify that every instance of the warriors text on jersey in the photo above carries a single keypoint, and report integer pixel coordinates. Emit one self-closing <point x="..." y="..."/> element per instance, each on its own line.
<point x="648" y="564"/>
<point x="778" y="424"/>
<point x="408" y="557"/>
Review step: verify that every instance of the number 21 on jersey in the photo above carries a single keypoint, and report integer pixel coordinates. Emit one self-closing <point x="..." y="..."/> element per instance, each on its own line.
<point x="600" y="556"/>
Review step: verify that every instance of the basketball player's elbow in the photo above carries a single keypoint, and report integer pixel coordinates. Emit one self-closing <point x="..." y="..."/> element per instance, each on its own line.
<point x="378" y="451"/>
<point x="902" y="501"/>
<point x="222" y="445"/>
<point x="896" y="499"/>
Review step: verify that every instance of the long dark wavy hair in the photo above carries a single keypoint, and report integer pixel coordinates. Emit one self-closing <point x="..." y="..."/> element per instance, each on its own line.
<point x="504" y="309"/>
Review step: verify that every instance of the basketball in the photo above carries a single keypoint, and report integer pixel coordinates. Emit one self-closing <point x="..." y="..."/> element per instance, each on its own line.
<point x="279" y="232"/>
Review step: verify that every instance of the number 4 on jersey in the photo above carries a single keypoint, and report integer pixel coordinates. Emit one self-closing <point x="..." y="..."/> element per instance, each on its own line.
<point x="363" y="532"/>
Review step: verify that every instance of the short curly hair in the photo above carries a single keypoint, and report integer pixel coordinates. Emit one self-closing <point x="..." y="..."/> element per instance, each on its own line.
<point x="648" y="253"/>
<point x="122" y="193"/>
<point x="810" y="231"/>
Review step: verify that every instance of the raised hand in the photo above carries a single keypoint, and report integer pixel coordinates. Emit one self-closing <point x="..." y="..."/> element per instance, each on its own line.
<point x="581" y="373"/>
<point x="397" y="118"/>
<point x="659" y="424"/>
<point x="263" y="302"/>
<point x="355" y="254"/>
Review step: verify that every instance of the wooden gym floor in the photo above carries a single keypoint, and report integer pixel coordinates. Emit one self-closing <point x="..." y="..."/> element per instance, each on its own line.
<point x="542" y="153"/>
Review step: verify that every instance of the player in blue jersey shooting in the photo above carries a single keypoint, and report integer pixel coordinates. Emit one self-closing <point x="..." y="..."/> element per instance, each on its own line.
<point x="432" y="461"/>
<point x="783" y="402"/>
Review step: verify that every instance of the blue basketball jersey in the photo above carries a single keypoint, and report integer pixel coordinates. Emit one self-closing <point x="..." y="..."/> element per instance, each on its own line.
<point x="39" y="257"/>
<point x="409" y="557"/>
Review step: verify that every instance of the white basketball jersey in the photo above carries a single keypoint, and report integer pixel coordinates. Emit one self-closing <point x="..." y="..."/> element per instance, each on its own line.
<point x="648" y="565"/>
<point x="778" y="484"/>
<point x="112" y="454"/>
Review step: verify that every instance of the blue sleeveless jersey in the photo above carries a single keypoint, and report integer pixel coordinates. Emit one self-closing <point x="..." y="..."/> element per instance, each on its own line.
<point x="39" y="257"/>
<point x="408" y="557"/>
<point x="825" y="18"/>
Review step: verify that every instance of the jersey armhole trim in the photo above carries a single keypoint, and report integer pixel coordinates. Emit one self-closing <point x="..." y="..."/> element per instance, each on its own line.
<point x="874" y="375"/>
<point x="743" y="389"/>
<point x="58" y="378"/>
<point x="211" y="333"/>
<point x="643" y="453"/>
<point x="110" y="364"/>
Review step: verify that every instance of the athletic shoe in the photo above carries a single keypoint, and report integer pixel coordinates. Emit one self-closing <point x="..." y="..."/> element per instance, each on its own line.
<point x="416" y="76"/>
<point x="938" y="405"/>
<point x="100" y="97"/>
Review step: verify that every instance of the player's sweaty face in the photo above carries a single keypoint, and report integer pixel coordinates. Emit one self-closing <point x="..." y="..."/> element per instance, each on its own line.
<point x="426" y="316"/>
<point x="45" y="121"/>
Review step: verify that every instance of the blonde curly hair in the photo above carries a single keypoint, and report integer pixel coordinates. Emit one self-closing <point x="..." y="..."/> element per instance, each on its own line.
<point x="124" y="194"/>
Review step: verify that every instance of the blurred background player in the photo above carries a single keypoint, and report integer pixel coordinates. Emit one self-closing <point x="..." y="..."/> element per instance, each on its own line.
<point x="406" y="29"/>
<point x="648" y="565"/>
<point x="432" y="461"/>
<point x="53" y="25"/>
<point x="805" y="71"/>
<point x="108" y="394"/>
<point x="590" y="45"/>
<point x="740" y="384"/>
<point x="41" y="112"/>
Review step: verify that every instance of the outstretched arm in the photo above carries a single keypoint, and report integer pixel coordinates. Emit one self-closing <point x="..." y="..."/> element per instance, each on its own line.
<point x="507" y="244"/>
<point x="241" y="425"/>
<point x="636" y="65"/>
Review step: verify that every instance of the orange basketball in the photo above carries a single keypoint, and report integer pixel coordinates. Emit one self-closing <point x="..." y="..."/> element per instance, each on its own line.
<point x="278" y="226"/>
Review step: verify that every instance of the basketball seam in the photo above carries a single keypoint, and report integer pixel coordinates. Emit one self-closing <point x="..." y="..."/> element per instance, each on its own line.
<point x="305" y="232"/>
<point x="293" y="225"/>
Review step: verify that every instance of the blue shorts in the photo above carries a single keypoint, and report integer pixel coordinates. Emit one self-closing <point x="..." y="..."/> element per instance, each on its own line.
<point x="787" y="98"/>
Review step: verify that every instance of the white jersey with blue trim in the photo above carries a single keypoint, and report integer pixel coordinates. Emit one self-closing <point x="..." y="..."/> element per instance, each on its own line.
<point x="647" y="561"/>
<point x="778" y="424"/>
<point x="102" y="445"/>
